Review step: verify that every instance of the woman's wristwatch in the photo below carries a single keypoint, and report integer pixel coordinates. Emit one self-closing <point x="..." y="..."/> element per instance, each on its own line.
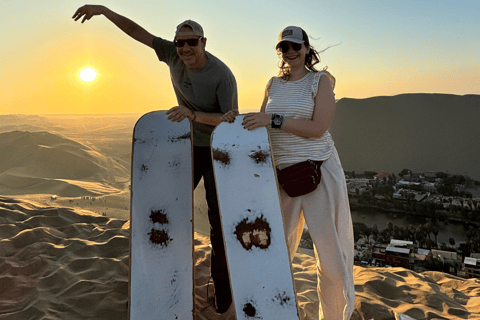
<point x="276" y="121"/>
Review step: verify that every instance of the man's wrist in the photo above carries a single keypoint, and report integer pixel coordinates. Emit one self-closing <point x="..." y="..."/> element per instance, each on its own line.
<point x="194" y="116"/>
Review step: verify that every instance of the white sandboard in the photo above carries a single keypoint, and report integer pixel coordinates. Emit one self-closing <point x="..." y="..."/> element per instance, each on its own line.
<point x="161" y="243"/>
<point x="257" y="254"/>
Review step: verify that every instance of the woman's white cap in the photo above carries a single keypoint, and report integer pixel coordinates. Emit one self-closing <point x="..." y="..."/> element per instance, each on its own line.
<point x="292" y="34"/>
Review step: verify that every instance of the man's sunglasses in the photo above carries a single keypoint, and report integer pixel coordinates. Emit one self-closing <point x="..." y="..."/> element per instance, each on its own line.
<point x="190" y="42"/>
<point x="284" y="46"/>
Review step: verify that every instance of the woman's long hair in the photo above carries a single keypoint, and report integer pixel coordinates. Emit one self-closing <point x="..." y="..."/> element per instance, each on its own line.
<point x="311" y="59"/>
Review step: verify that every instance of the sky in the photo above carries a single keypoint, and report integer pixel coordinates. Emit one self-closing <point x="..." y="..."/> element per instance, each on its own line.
<point x="380" y="48"/>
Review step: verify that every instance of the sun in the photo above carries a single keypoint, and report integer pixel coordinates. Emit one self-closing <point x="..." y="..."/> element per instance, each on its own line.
<point x="88" y="74"/>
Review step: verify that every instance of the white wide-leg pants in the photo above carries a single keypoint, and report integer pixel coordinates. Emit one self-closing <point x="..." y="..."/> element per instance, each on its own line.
<point x="327" y="214"/>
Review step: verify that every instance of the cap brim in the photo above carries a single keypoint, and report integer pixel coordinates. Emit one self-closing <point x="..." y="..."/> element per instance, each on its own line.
<point x="294" y="40"/>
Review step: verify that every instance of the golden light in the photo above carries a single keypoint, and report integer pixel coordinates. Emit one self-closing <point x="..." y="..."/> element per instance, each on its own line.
<point x="88" y="74"/>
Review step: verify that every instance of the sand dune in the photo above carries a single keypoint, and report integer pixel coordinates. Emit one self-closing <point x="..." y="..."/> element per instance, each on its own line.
<point x="59" y="261"/>
<point x="46" y="163"/>
<point x="64" y="263"/>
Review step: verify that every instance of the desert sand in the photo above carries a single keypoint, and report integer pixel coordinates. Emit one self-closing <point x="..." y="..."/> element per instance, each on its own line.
<point x="67" y="263"/>
<point x="64" y="234"/>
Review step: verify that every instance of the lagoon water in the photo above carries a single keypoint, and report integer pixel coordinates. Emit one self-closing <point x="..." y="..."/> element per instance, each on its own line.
<point x="454" y="230"/>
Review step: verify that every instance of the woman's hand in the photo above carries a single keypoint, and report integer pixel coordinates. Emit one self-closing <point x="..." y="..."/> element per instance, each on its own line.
<point x="229" y="116"/>
<point x="256" y="120"/>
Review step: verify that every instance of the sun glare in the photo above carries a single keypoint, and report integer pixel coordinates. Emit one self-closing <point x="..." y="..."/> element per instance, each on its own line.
<point x="88" y="74"/>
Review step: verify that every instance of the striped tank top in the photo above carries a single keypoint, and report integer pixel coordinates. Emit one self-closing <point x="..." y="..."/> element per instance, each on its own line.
<point x="296" y="99"/>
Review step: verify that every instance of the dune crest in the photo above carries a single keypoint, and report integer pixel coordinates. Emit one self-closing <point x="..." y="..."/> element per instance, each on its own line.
<point x="46" y="163"/>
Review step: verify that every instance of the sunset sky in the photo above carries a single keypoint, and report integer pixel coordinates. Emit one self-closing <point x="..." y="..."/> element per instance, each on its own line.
<point x="385" y="48"/>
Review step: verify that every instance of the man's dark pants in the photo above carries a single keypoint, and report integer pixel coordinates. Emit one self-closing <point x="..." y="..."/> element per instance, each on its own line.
<point x="202" y="161"/>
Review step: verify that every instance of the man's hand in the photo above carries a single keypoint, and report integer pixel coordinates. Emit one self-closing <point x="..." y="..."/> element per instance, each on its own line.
<point x="229" y="116"/>
<point x="87" y="11"/>
<point x="179" y="113"/>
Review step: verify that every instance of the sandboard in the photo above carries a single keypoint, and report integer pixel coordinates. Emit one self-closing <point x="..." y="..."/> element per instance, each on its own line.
<point x="257" y="255"/>
<point x="161" y="243"/>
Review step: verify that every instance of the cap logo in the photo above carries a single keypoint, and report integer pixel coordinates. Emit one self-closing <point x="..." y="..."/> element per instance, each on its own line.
<point x="287" y="33"/>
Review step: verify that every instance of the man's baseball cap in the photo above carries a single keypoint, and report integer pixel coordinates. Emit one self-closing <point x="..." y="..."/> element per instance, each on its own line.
<point x="197" y="29"/>
<point x="292" y="34"/>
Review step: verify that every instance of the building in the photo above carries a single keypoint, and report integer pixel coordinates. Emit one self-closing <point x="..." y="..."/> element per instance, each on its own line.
<point x="429" y="186"/>
<point x="472" y="267"/>
<point x="401" y="244"/>
<point x="419" y="197"/>
<point x="381" y="175"/>
<point x="445" y="254"/>
<point x="397" y="257"/>
<point x="378" y="253"/>
<point x="358" y="182"/>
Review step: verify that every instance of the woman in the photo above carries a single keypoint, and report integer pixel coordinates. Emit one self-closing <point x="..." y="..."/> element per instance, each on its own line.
<point x="298" y="108"/>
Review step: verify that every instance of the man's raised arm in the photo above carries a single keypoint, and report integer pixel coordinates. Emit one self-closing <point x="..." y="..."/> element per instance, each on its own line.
<point x="125" y="24"/>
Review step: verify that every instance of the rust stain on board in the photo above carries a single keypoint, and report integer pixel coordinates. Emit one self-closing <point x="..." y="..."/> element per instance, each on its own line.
<point x="282" y="298"/>
<point x="259" y="156"/>
<point x="159" y="237"/>
<point x="173" y="163"/>
<point x="255" y="233"/>
<point x="158" y="216"/>
<point x="222" y="156"/>
<point x="249" y="309"/>
<point x="182" y="137"/>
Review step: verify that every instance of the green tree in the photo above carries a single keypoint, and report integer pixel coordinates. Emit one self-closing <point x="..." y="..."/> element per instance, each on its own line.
<point x="370" y="174"/>
<point x="404" y="172"/>
<point x="397" y="234"/>
<point x="441" y="175"/>
<point x="451" y="241"/>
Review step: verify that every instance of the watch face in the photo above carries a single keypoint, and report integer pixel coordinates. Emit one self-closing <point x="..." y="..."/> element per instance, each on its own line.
<point x="277" y="120"/>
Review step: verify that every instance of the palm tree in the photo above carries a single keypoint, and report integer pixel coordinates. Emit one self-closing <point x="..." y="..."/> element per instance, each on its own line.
<point x="367" y="232"/>
<point x="412" y="231"/>
<point x="434" y="230"/>
<point x="420" y="238"/>
<point x="452" y="241"/>
<point x="375" y="232"/>
<point x="428" y="229"/>
<point x="390" y="227"/>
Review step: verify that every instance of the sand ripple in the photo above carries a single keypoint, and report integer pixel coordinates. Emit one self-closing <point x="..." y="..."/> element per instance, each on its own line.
<point x="63" y="263"/>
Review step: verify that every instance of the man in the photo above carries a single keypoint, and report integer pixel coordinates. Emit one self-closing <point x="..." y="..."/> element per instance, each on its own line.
<point x="206" y="89"/>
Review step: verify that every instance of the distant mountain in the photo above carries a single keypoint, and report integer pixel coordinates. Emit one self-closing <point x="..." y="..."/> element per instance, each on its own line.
<point x="42" y="162"/>
<point x="420" y="132"/>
